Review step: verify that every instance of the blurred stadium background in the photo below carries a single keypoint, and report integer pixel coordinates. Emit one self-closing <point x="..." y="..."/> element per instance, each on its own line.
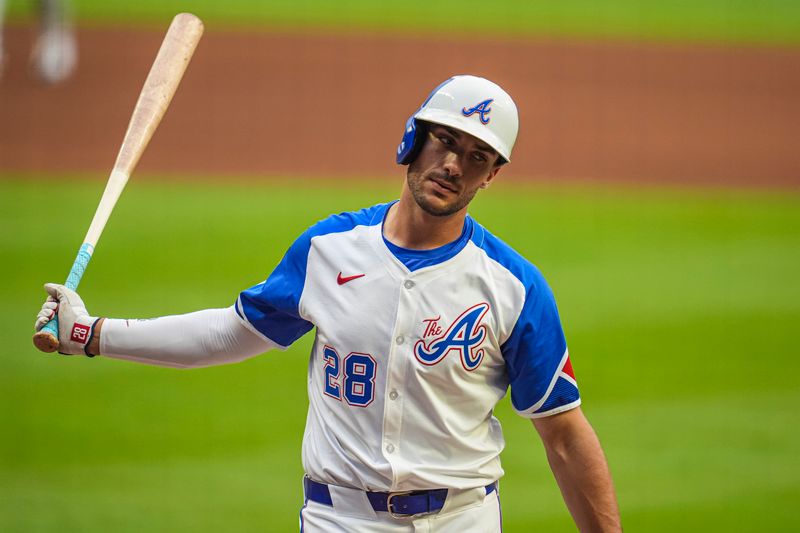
<point x="655" y="183"/>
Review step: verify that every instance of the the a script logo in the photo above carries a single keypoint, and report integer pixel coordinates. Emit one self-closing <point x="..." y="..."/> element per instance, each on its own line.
<point x="464" y="335"/>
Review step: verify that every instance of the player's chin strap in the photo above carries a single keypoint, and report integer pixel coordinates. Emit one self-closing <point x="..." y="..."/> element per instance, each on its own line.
<point x="400" y="505"/>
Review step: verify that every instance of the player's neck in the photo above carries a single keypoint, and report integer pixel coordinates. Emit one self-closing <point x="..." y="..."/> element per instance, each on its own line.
<point x="408" y="226"/>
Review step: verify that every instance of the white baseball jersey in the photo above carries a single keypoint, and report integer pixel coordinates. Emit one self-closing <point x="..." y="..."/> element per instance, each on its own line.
<point x="413" y="350"/>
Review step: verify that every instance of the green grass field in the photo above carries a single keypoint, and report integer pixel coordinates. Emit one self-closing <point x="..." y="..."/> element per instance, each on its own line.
<point x="681" y="309"/>
<point x="736" y="21"/>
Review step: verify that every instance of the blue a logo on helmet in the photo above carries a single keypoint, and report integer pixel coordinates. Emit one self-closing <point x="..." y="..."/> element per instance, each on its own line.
<point x="482" y="109"/>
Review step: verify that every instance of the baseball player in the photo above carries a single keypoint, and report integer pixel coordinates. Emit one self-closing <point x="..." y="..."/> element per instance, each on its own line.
<point x="55" y="53"/>
<point x="423" y="320"/>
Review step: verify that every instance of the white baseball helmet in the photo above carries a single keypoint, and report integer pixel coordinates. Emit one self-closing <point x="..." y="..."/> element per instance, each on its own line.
<point x="467" y="103"/>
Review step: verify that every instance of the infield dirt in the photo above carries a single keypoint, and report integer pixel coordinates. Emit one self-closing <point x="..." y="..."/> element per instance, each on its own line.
<point x="334" y="105"/>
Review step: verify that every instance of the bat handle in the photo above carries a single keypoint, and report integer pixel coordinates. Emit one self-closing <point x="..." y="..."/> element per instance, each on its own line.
<point x="46" y="339"/>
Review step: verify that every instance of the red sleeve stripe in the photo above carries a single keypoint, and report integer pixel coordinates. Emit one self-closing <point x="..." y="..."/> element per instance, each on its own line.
<point x="567" y="369"/>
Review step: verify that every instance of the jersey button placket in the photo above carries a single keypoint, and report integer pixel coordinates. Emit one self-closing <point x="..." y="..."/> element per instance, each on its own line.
<point x="393" y="411"/>
<point x="398" y="367"/>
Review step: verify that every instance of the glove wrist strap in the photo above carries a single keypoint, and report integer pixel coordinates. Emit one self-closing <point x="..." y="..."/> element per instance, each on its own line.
<point x="90" y="338"/>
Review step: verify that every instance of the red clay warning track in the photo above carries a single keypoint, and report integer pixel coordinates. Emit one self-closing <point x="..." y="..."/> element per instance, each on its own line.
<point x="278" y="104"/>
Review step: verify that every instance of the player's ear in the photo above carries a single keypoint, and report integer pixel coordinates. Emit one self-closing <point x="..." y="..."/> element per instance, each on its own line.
<point x="488" y="180"/>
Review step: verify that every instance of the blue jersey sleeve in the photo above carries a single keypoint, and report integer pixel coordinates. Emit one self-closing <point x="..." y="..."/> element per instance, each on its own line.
<point x="537" y="361"/>
<point x="539" y="370"/>
<point x="272" y="307"/>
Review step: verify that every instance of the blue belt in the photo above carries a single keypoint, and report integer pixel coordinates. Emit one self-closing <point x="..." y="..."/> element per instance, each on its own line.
<point x="399" y="504"/>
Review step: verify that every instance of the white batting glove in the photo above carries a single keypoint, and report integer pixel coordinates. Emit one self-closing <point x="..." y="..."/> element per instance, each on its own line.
<point x="75" y="326"/>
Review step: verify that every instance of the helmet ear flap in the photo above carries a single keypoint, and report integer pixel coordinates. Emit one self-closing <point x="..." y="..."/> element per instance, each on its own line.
<point x="413" y="140"/>
<point x="415" y="132"/>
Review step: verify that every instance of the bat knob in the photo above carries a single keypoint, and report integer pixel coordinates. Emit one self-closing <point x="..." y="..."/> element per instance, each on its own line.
<point x="45" y="342"/>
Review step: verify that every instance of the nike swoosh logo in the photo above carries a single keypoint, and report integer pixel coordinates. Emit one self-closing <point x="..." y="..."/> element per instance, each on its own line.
<point x="342" y="280"/>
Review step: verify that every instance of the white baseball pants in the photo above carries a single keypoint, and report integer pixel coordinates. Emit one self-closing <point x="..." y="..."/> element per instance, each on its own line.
<point x="463" y="512"/>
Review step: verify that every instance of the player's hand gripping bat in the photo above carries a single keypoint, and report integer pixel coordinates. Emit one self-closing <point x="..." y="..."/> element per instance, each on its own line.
<point x="176" y="50"/>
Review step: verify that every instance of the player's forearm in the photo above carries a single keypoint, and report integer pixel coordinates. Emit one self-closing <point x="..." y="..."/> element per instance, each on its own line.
<point x="203" y="338"/>
<point x="587" y="488"/>
<point x="582" y="473"/>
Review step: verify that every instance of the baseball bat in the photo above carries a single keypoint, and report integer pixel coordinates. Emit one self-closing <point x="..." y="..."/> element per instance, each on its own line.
<point x="173" y="57"/>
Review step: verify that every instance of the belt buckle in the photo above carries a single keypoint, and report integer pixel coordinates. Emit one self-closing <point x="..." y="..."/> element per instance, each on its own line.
<point x="401" y="516"/>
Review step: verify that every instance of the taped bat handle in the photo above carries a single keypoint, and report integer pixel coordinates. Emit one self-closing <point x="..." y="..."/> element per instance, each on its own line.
<point x="46" y="339"/>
